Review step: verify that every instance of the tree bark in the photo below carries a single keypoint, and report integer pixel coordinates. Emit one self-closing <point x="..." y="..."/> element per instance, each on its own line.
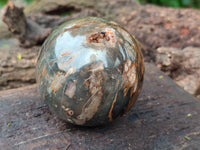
<point x="153" y="26"/>
<point x="108" y="8"/>
<point x="17" y="67"/>
<point x="34" y="29"/>
<point x="27" y="31"/>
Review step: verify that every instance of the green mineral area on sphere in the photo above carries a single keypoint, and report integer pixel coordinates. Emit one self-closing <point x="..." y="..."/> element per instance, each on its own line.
<point x="90" y="71"/>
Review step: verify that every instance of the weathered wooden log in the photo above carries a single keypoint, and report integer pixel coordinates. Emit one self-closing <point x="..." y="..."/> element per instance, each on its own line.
<point x="152" y="29"/>
<point x="183" y="65"/>
<point x="17" y="67"/>
<point x="34" y="29"/>
<point x="53" y="21"/>
<point x="164" y="117"/>
<point x="27" y="31"/>
<point x="108" y="8"/>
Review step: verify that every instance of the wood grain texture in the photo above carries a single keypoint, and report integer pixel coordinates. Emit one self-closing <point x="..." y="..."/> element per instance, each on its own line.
<point x="164" y="117"/>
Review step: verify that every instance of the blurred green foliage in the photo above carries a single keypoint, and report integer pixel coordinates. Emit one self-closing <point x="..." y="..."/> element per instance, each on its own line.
<point x="66" y="14"/>
<point x="3" y="2"/>
<point x="174" y="3"/>
<point x="28" y="1"/>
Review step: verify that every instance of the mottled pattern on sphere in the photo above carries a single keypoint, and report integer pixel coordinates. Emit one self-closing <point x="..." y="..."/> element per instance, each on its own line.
<point x="90" y="71"/>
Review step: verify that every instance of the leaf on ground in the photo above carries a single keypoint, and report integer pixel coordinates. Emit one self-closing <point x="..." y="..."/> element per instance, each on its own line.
<point x="8" y="125"/>
<point x="187" y="138"/>
<point x="19" y="56"/>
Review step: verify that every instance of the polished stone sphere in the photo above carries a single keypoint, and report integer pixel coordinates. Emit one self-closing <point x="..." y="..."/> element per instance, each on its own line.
<point x="90" y="71"/>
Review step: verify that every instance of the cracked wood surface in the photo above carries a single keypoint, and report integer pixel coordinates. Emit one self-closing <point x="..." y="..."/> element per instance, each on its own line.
<point x="164" y="117"/>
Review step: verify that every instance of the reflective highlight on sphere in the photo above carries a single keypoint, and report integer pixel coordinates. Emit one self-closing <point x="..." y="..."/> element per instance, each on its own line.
<point x="90" y="71"/>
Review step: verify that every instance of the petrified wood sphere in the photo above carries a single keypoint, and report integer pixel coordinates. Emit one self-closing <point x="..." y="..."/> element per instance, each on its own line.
<point x="90" y="71"/>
